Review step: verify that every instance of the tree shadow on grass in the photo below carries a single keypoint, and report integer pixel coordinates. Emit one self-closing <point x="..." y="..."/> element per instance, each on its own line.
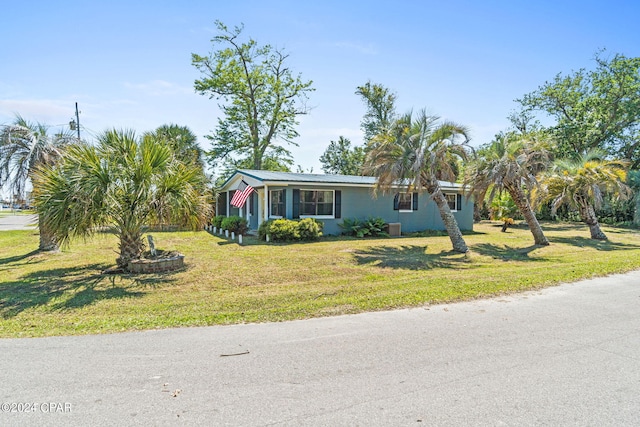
<point x="506" y="252"/>
<point x="71" y="288"/>
<point x="413" y="257"/>
<point x="601" y="245"/>
<point x="16" y="258"/>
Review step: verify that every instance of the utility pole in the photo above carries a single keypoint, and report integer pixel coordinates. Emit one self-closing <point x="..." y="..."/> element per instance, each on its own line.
<point x="75" y="124"/>
<point x="78" y="121"/>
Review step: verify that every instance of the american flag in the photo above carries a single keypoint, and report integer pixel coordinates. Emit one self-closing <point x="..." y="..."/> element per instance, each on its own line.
<point x="241" y="195"/>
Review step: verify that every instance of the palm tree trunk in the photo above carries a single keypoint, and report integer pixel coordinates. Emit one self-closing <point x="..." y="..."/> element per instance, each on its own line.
<point x="521" y="201"/>
<point x="450" y="223"/>
<point x="131" y="247"/>
<point x="588" y="216"/>
<point x="48" y="241"/>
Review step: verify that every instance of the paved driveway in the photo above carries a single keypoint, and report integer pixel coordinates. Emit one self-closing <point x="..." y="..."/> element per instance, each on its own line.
<point x="18" y="222"/>
<point x="568" y="355"/>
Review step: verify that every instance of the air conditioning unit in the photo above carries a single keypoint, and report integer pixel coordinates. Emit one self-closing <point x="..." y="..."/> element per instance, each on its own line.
<point x="395" y="229"/>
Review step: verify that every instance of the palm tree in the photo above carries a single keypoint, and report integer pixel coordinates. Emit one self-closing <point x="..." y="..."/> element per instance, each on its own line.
<point x="580" y="183"/>
<point x="182" y="141"/>
<point x="511" y="162"/>
<point x="24" y="147"/>
<point x="123" y="183"/>
<point x="416" y="154"/>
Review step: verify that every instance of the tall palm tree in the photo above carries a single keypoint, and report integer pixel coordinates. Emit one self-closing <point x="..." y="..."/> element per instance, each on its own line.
<point x="580" y="183"/>
<point x="510" y="162"/>
<point x="182" y="140"/>
<point x="416" y="153"/>
<point x="121" y="182"/>
<point x="24" y="147"/>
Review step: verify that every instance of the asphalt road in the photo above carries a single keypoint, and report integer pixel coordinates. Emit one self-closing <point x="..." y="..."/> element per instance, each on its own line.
<point x="18" y="222"/>
<point x="564" y="356"/>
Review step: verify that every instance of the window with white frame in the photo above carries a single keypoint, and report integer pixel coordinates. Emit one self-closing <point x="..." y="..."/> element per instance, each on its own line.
<point x="276" y="203"/>
<point x="404" y="202"/>
<point x="316" y="203"/>
<point x="452" y="201"/>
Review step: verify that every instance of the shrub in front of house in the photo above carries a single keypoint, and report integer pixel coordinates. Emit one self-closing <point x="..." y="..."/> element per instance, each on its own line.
<point x="373" y="227"/>
<point x="351" y="226"/>
<point x="288" y="230"/>
<point x="310" y="229"/>
<point x="235" y="224"/>
<point x="216" y="221"/>
<point x="283" y="230"/>
<point x="263" y="229"/>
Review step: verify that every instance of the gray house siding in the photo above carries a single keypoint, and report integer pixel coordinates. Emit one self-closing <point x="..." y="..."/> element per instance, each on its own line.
<point x="353" y="194"/>
<point x="358" y="202"/>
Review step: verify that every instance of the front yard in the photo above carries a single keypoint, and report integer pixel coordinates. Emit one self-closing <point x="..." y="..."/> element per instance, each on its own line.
<point x="65" y="293"/>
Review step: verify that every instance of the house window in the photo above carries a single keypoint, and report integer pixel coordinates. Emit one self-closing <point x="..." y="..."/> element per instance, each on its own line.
<point x="276" y="200"/>
<point x="405" y="201"/>
<point x="452" y="201"/>
<point x="316" y="203"/>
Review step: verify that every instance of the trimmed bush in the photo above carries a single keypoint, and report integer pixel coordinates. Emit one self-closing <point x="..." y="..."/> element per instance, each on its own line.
<point x="310" y="229"/>
<point x="287" y="230"/>
<point x="216" y="221"/>
<point x="235" y="224"/>
<point x="283" y="230"/>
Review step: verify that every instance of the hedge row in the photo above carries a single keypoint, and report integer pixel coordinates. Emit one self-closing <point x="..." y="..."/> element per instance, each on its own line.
<point x="288" y="230"/>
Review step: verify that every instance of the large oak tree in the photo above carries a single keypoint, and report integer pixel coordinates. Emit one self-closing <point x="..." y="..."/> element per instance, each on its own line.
<point x="594" y="109"/>
<point x="261" y="100"/>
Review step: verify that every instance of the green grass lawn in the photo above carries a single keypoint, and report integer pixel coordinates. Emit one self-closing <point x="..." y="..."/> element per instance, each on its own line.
<point x="65" y="293"/>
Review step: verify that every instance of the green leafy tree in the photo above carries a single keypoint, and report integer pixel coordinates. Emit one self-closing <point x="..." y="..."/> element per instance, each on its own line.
<point x="633" y="180"/>
<point x="581" y="184"/>
<point x="124" y="183"/>
<point x="418" y="151"/>
<point x="262" y="99"/>
<point x="597" y="109"/>
<point x="341" y="158"/>
<point x="511" y="162"/>
<point x="381" y="109"/>
<point x="503" y="206"/>
<point x="24" y="147"/>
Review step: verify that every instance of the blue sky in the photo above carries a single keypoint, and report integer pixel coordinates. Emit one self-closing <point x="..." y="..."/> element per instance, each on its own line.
<point x="128" y="63"/>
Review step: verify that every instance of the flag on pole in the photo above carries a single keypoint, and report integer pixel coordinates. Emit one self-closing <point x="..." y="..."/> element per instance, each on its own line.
<point x="241" y="195"/>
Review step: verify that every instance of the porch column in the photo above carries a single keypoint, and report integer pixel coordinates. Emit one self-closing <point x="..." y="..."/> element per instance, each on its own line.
<point x="259" y="213"/>
<point x="226" y="197"/>
<point x="265" y="209"/>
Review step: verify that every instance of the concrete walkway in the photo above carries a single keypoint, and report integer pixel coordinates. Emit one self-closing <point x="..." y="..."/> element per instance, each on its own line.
<point x="568" y="355"/>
